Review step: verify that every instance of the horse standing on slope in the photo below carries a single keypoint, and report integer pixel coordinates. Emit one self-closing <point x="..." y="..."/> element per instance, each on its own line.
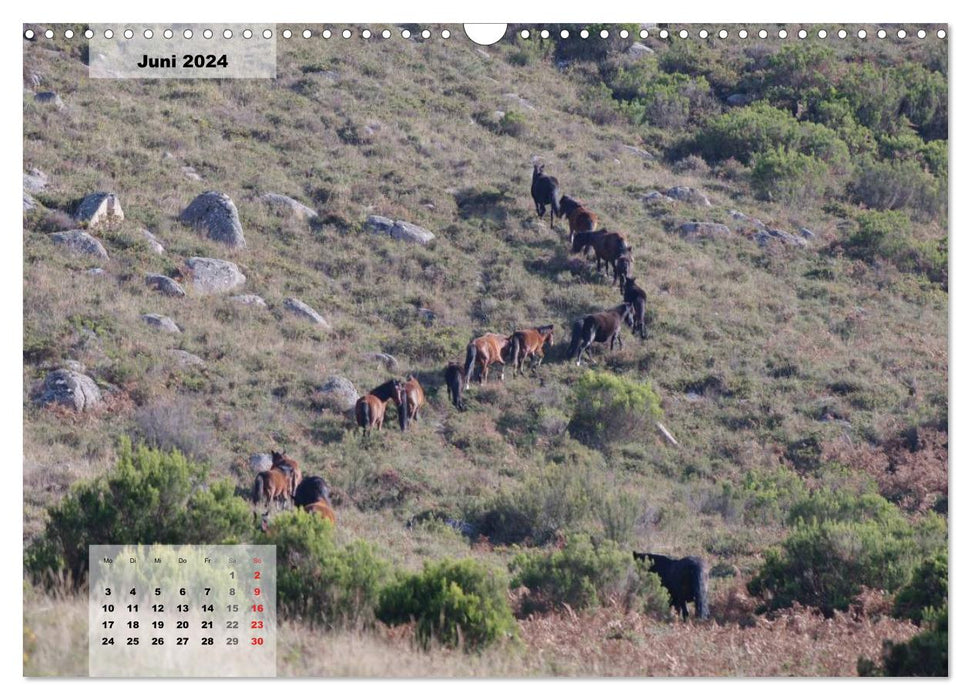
<point x="530" y="343"/>
<point x="600" y="327"/>
<point x="413" y="398"/>
<point x="370" y="408"/>
<point x="483" y="351"/>
<point x="289" y="466"/>
<point x="637" y="298"/>
<point x="623" y="267"/>
<point x="545" y="190"/>
<point x="608" y="246"/>
<point x="579" y="217"/>
<point x="685" y="579"/>
<point x="454" y="379"/>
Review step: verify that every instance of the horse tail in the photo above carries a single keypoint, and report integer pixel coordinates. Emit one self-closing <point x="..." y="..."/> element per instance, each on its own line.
<point x="515" y="347"/>
<point x="258" y="487"/>
<point x="576" y="337"/>
<point x="556" y="201"/>
<point x="403" y="410"/>
<point x="364" y="415"/>
<point x="470" y="354"/>
<point x="701" y="592"/>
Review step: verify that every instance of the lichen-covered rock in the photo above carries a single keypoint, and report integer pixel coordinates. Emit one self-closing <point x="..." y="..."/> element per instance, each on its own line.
<point x="216" y="214"/>
<point x="80" y="242"/>
<point x="152" y="241"/>
<point x="378" y="224"/>
<point x="404" y="231"/>
<point x="260" y="462"/>
<point x="299" y="308"/>
<point x="164" y="284"/>
<point x="387" y="360"/>
<point x="161" y="322"/>
<point x="249" y="300"/>
<point x="339" y="393"/>
<point x="35" y="181"/>
<point x="767" y="235"/>
<point x="29" y="202"/>
<point x="213" y="276"/>
<point x="654" y="197"/>
<point x="69" y="388"/>
<point x="696" y="230"/>
<point x="639" y="49"/>
<point x="688" y="194"/>
<point x="289" y="204"/>
<point x="186" y="359"/>
<point x="99" y="209"/>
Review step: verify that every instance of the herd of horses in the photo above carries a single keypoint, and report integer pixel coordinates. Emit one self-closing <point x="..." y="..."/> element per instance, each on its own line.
<point x="684" y="579"/>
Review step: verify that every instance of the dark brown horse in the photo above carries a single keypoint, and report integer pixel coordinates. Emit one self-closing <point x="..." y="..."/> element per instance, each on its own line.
<point x="623" y="268"/>
<point x="530" y="343"/>
<point x="371" y="407"/>
<point x="580" y="218"/>
<point x="311" y="490"/>
<point x="483" y="351"/>
<point x="413" y="399"/>
<point x="545" y="190"/>
<point x="607" y="245"/>
<point x="637" y="298"/>
<point x="454" y="379"/>
<point x="600" y="327"/>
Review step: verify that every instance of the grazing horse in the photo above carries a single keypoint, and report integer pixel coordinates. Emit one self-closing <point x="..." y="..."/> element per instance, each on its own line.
<point x="370" y="408"/>
<point x="607" y="245"/>
<point x="685" y="579"/>
<point x="272" y="485"/>
<point x="484" y="351"/>
<point x="545" y="190"/>
<point x="530" y="342"/>
<point x="600" y="327"/>
<point x="637" y="298"/>
<point x="413" y="399"/>
<point x="311" y="490"/>
<point x="288" y="466"/>
<point x="623" y="267"/>
<point x="580" y="218"/>
<point x="454" y="378"/>
<point x="323" y="509"/>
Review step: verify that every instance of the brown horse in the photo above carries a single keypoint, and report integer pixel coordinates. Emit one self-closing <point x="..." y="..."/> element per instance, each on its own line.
<point x="413" y="399"/>
<point x="288" y="466"/>
<point x="607" y="245"/>
<point x="580" y="218"/>
<point x="623" y="268"/>
<point x="272" y="485"/>
<point x="370" y="408"/>
<point x="530" y="343"/>
<point x="600" y="327"/>
<point x="454" y="379"/>
<point x="545" y="190"/>
<point x="323" y="509"/>
<point x="484" y="351"/>
<point x="637" y="298"/>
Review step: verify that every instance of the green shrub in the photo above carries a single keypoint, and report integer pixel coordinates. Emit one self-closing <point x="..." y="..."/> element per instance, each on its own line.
<point x="925" y="654"/>
<point x="788" y="177"/>
<point x="612" y="409"/>
<point x="150" y="497"/>
<point x="899" y="184"/>
<point x="927" y="589"/>
<point x="743" y="133"/>
<point x="512" y="124"/>
<point x="584" y="575"/>
<point x="458" y="603"/>
<point x="319" y="580"/>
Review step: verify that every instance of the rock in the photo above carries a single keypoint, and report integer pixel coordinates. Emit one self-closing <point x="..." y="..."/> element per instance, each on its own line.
<point x="739" y="100"/>
<point x="186" y="359"/>
<point x="249" y="300"/>
<point x="767" y="235"/>
<point x="655" y="196"/>
<point x="639" y="152"/>
<point x="100" y="208"/>
<point x="81" y="242"/>
<point x="49" y="98"/>
<point x="190" y="173"/>
<point x="519" y="100"/>
<point x="745" y="218"/>
<point x="70" y="388"/>
<point x="301" y="309"/>
<point x="639" y="49"/>
<point x="166" y="285"/>
<point x="214" y="276"/>
<point x="29" y="202"/>
<point x="404" y="231"/>
<point x="483" y="52"/>
<point x="290" y="204"/>
<point x="95" y="271"/>
<point x="806" y="233"/>
<point x="389" y="361"/>
<point x="152" y="241"/>
<point x="688" y="194"/>
<point x="215" y="213"/>
<point x="378" y="224"/>
<point x="161" y="322"/>
<point x="260" y="462"/>
<point x="697" y="230"/>
<point x="74" y="366"/>
<point x="35" y="181"/>
<point x="339" y="393"/>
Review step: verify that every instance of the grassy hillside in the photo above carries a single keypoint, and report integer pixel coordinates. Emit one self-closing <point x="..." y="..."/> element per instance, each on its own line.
<point x="782" y="370"/>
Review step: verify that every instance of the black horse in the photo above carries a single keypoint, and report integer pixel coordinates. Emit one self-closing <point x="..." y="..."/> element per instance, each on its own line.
<point x="685" y="579"/>
<point x="637" y="298"/>
<point x="310" y="490"/>
<point x="545" y="190"/>
<point x="623" y="268"/>
<point x="454" y="379"/>
<point x="601" y="327"/>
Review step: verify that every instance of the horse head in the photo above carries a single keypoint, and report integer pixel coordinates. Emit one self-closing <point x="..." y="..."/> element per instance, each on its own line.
<point x="537" y="170"/>
<point x="277" y="456"/>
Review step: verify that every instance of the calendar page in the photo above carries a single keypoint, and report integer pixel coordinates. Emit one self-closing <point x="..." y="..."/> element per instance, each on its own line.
<point x="502" y="350"/>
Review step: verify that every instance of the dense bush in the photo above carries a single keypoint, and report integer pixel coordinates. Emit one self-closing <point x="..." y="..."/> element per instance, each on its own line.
<point x="584" y="575"/>
<point x="927" y="588"/>
<point x="612" y="409"/>
<point x="888" y="236"/>
<point x="458" y="603"/>
<point x="319" y="580"/>
<point x="925" y="654"/>
<point x="789" y="177"/>
<point x="150" y="497"/>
